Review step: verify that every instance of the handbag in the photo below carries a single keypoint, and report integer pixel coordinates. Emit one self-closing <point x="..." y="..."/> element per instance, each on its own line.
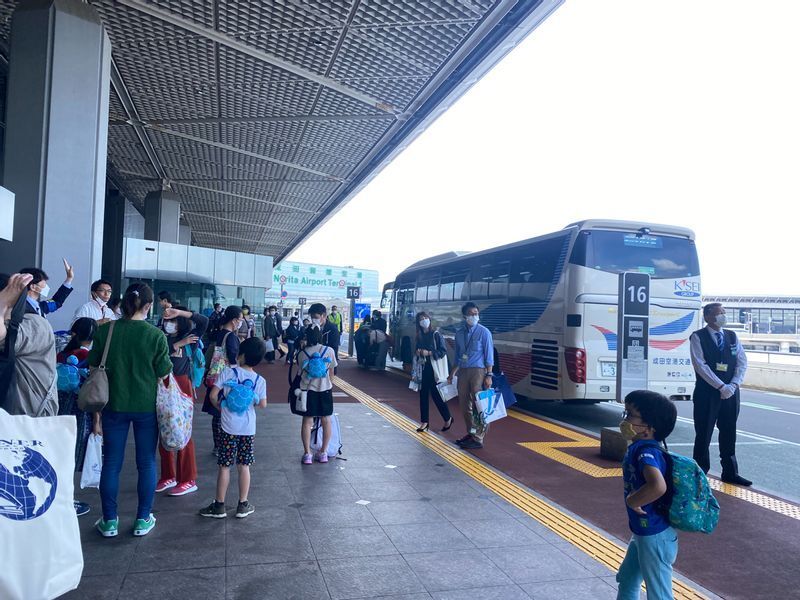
<point x="440" y="367"/>
<point x="93" y="462"/>
<point x="294" y="395"/>
<point x="490" y="406"/>
<point x="93" y="395"/>
<point x="41" y="550"/>
<point x="174" y="411"/>
<point x="270" y="346"/>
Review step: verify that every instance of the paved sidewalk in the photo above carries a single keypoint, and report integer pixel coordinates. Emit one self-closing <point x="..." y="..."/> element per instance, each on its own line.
<point x="392" y="521"/>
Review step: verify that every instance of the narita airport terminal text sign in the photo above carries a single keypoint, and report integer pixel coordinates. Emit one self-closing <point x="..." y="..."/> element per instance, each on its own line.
<point x="323" y="281"/>
<point x="633" y="330"/>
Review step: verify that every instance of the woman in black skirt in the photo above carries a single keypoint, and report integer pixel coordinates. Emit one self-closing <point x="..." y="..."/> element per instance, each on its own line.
<point x="430" y="346"/>
<point x="318" y="390"/>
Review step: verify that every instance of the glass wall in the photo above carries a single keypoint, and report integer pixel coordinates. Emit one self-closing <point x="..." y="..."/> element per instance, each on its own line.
<point x="767" y="320"/>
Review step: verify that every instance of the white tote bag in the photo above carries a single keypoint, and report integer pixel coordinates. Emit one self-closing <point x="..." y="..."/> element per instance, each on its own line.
<point x="93" y="462"/>
<point x="270" y="346"/>
<point x="490" y="405"/>
<point x="41" y="550"/>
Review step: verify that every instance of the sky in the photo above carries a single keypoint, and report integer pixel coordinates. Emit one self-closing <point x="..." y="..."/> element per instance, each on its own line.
<point x="679" y="112"/>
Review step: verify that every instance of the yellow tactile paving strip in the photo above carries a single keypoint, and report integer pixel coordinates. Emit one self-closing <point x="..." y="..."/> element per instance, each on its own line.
<point x="578" y="440"/>
<point x="583" y="537"/>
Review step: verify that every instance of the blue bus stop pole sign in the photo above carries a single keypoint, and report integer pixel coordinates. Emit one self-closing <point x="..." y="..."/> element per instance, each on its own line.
<point x="633" y="330"/>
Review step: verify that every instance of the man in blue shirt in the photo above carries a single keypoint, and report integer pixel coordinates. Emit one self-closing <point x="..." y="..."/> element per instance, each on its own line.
<point x="473" y="365"/>
<point x="39" y="291"/>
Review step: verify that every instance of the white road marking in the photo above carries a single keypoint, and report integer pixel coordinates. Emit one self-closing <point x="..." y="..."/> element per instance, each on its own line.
<point x="770" y="408"/>
<point x="691" y="444"/>
<point x="755" y="436"/>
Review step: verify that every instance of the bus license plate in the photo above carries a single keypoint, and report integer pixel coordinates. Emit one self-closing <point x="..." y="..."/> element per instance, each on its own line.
<point x="608" y="369"/>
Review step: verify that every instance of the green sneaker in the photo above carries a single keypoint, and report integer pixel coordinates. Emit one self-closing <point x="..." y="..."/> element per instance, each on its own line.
<point x="143" y="526"/>
<point x="108" y="528"/>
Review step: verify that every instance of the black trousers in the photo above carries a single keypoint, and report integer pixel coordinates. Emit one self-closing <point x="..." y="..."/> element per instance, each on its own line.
<point x="428" y="389"/>
<point x="711" y="410"/>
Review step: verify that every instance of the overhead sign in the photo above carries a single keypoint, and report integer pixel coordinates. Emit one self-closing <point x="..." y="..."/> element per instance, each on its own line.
<point x="633" y="329"/>
<point x="353" y="292"/>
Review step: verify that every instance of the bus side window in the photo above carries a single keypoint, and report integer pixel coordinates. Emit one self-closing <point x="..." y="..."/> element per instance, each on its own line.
<point x="533" y="271"/>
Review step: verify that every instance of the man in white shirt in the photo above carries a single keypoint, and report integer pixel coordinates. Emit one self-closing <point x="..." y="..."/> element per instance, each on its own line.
<point x="720" y="364"/>
<point x="96" y="307"/>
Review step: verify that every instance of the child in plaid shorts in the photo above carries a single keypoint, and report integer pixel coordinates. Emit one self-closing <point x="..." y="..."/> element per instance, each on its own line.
<point x="238" y="429"/>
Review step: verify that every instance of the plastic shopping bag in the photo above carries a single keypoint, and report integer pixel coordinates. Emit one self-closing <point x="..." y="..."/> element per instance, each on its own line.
<point x="448" y="391"/>
<point x="174" y="411"/>
<point x="490" y="405"/>
<point x="92" y="462"/>
<point x="41" y="550"/>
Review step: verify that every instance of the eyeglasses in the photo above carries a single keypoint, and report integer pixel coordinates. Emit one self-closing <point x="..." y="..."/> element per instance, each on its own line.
<point x="626" y="417"/>
<point x="103" y="290"/>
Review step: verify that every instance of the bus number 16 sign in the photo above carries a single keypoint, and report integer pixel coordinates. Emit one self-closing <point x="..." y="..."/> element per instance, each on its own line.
<point x="633" y="329"/>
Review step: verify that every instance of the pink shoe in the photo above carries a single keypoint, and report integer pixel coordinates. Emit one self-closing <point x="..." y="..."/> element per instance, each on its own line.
<point x="323" y="457"/>
<point x="165" y="484"/>
<point x="307" y="460"/>
<point x="187" y="487"/>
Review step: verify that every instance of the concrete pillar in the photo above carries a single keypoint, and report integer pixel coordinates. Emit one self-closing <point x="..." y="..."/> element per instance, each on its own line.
<point x="185" y="234"/>
<point x="56" y="142"/>
<point x="162" y="217"/>
<point x="113" y="234"/>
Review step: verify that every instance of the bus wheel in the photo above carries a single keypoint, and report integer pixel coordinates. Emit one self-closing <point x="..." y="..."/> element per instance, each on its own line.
<point x="406" y="352"/>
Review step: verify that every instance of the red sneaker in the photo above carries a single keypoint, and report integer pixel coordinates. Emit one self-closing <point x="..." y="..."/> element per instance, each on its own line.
<point x="187" y="487"/>
<point x="165" y="484"/>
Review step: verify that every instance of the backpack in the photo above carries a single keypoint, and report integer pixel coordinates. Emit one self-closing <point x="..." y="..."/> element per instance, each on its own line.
<point x="68" y="375"/>
<point x="218" y="362"/>
<point x="198" y="364"/>
<point x="241" y="395"/>
<point x="316" y="366"/>
<point x="9" y="396"/>
<point x="688" y="504"/>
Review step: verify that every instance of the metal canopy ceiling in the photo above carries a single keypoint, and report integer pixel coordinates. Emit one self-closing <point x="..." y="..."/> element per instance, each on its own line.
<point x="265" y="117"/>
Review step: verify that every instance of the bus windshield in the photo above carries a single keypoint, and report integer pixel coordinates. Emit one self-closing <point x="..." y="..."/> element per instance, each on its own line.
<point x="662" y="257"/>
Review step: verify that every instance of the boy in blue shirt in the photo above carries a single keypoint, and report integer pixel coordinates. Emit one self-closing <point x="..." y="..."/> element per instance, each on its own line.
<point x="648" y="419"/>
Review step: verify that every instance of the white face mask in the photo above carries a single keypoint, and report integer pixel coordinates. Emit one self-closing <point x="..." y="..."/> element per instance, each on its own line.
<point x="425" y="323"/>
<point x="170" y="328"/>
<point x="472" y="320"/>
<point x="316" y="322"/>
<point x="720" y="320"/>
<point x="45" y="293"/>
<point x="99" y="300"/>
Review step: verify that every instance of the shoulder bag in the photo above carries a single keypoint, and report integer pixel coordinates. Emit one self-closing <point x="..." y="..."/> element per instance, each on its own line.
<point x="93" y="396"/>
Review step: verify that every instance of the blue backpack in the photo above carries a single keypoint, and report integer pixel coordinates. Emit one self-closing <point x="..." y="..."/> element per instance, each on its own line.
<point x="69" y="375"/>
<point x="316" y="366"/>
<point x="198" y="365"/>
<point x="241" y="395"/>
<point x="688" y="503"/>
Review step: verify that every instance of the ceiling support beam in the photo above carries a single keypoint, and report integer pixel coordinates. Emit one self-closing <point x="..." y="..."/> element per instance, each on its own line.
<point x="229" y="148"/>
<point x="265" y="57"/>
<point x="244" y="120"/>
<point x="134" y="120"/>
<point x="237" y="221"/>
<point x="248" y="198"/>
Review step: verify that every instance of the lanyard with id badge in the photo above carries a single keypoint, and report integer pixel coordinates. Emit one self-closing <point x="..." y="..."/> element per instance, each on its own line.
<point x="465" y="356"/>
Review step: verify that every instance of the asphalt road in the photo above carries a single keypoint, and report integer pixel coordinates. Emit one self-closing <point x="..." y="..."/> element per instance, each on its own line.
<point x="767" y="445"/>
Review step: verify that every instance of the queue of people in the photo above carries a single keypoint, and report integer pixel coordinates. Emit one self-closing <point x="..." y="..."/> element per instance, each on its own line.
<point x="137" y="357"/>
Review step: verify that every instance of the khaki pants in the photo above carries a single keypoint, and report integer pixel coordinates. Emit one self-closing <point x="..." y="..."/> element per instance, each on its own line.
<point x="470" y="382"/>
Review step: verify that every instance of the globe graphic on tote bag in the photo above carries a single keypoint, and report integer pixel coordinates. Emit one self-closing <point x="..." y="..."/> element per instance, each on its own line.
<point x="28" y="482"/>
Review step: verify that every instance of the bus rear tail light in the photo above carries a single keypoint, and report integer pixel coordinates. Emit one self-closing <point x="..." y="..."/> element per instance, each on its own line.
<point x="576" y="364"/>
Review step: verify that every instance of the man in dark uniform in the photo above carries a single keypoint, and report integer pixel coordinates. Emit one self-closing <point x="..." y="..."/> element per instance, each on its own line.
<point x="720" y="364"/>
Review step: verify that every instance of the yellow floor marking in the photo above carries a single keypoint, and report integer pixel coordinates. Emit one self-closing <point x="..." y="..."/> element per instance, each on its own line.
<point x="552" y="449"/>
<point x="779" y="506"/>
<point x="580" y="535"/>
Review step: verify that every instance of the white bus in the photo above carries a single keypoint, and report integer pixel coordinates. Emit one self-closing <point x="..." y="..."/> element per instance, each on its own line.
<point x="551" y="305"/>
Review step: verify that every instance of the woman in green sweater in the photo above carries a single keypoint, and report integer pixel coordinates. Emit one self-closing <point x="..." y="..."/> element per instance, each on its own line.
<point x="137" y="358"/>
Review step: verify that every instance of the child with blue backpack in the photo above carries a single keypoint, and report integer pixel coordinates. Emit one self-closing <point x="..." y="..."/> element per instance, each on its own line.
<point x="236" y="392"/>
<point x="316" y="363"/>
<point x="648" y="419"/>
